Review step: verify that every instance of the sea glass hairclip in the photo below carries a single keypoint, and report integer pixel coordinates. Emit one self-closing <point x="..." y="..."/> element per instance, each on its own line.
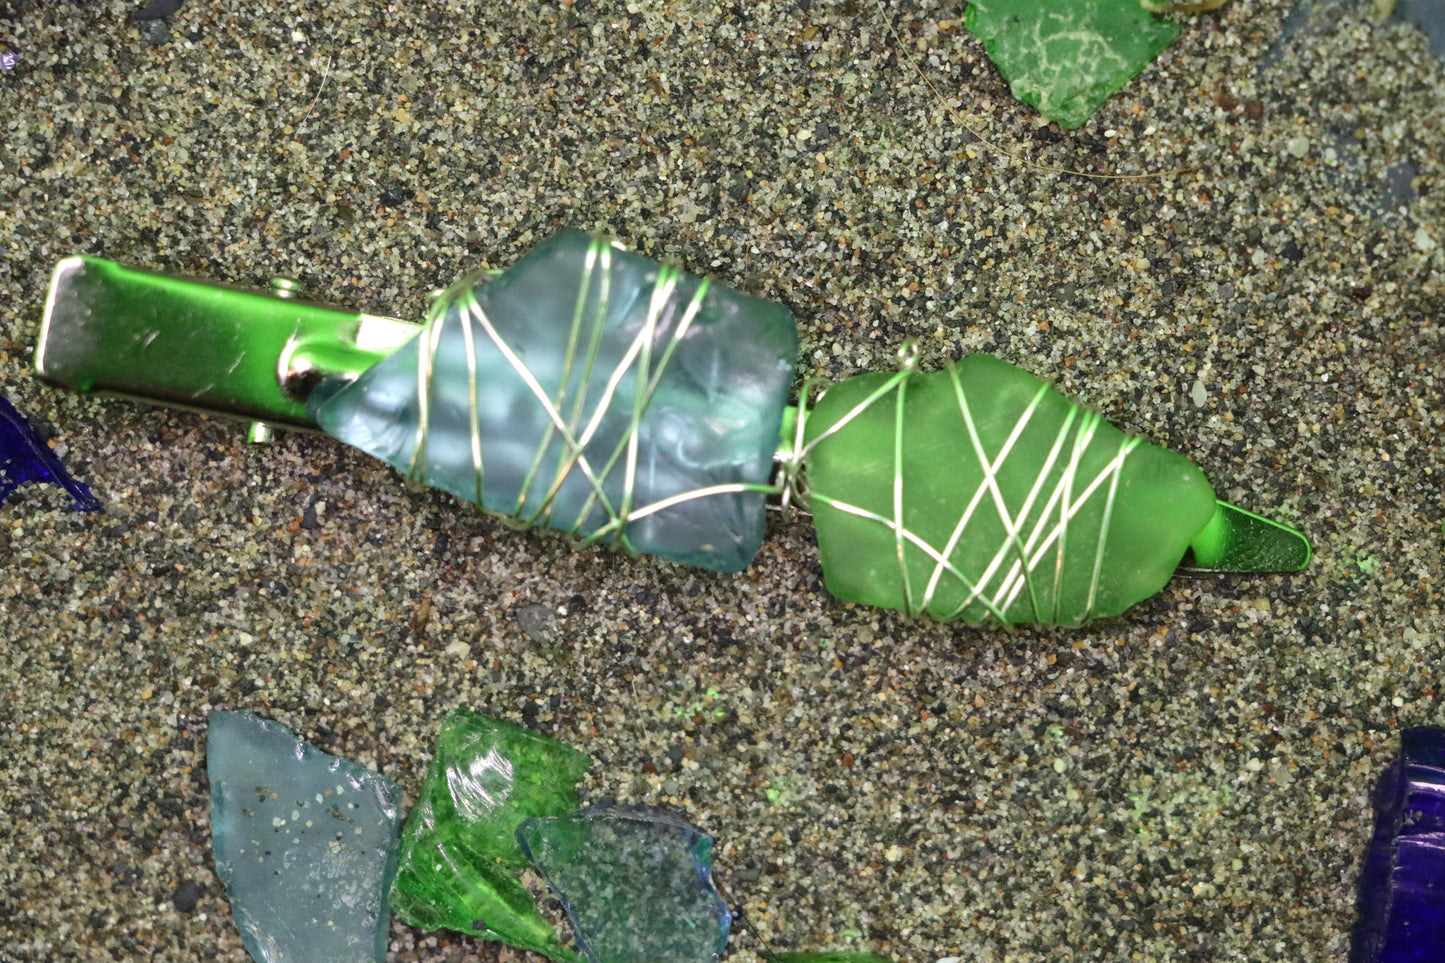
<point x="596" y="391"/>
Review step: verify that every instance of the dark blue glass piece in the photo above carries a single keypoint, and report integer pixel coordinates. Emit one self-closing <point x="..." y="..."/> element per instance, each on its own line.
<point x="1402" y="882"/>
<point x="24" y="457"/>
<point x="636" y="883"/>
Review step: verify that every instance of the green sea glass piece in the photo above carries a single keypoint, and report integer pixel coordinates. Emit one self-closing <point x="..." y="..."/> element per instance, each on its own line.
<point x="305" y="843"/>
<point x="1066" y="57"/>
<point x="592" y="390"/>
<point x="980" y="493"/>
<point x="635" y="881"/>
<point x="460" y="863"/>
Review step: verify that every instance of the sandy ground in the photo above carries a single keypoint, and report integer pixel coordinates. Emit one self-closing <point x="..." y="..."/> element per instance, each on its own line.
<point x="1187" y="783"/>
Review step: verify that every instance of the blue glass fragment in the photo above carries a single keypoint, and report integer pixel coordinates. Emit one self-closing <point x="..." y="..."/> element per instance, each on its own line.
<point x="591" y="390"/>
<point x="24" y="457"/>
<point x="304" y="842"/>
<point x="636" y="883"/>
<point x="1402" y="882"/>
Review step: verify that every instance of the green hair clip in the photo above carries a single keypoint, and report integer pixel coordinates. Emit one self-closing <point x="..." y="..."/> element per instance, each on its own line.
<point x="596" y="391"/>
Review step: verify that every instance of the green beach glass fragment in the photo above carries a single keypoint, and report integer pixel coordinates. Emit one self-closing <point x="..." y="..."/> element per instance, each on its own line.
<point x="592" y="390"/>
<point x="460" y="863"/>
<point x="304" y="842"/>
<point x="1067" y="58"/>
<point x="1011" y="504"/>
<point x="635" y="881"/>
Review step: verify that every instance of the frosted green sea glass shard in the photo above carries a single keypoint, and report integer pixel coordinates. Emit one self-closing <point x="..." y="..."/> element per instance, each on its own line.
<point x="980" y="493"/>
<point x="1066" y="57"/>
<point x="636" y="883"/>
<point x="592" y="390"/>
<point x="460" y="863"/>
<point x="305" y="843"/>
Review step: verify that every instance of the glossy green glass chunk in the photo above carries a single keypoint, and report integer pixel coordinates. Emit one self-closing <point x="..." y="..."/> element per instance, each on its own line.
<point x="980" y="493"/>
<point x="460" y="863"/>
<point x="592" y="390"/>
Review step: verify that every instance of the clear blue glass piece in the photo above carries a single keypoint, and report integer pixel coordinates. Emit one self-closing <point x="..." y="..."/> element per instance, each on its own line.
<point x="636" y="883"/>
<point x="304" y="842"/>
<point x="24" y="457"/>
<point x="1402" y="882"/>
<point x="592" y="390"/>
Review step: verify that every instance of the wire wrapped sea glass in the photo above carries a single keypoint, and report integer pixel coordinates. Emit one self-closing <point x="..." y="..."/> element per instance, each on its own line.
<point x="980" y="493"/>
<point x="592" y="390"/>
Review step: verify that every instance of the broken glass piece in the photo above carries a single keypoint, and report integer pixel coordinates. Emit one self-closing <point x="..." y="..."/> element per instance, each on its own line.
<point x="304" y="842"/>
<point x="1066" y="59"/>
<point x="980" y="493"/>
<point x="636" y="883"/>
<point x="591" y="390"/>
<point x="460" y="863"/>
<point x="24" y="457"/>
<point x="1402" y="881"/>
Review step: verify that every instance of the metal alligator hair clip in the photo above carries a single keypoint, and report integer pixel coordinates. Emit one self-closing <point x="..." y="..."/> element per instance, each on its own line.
<point x="204" y="346"/>
<point x="599" y="392"/>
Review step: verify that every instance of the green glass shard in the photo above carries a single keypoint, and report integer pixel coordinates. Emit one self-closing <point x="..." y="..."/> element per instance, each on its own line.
<point x="1067" y="58"/>
<point x="980" y="493"/>
<point x="460" y="863"/>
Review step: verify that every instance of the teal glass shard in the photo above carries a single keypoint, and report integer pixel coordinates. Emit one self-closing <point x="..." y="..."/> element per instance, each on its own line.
<point x="592" y="390"/>
<point x="636" y="883"/>
<point x="304" y="842"/>
<point x="1066" y="59"/>
<point x="461" y="864"/>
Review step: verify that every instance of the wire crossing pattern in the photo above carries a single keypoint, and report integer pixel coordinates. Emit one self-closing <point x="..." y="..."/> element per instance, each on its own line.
<point x="980" y="493"/>
<point x="592" y="390"/>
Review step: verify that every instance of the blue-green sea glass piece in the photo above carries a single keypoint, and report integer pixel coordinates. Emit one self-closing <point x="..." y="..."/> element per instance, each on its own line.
<point x="304" y="842"/>
<point x="460" y="862"/>
<point x="636" y="883"/>
<point x="1067" y="58"/>
<point x="592" y="390"/>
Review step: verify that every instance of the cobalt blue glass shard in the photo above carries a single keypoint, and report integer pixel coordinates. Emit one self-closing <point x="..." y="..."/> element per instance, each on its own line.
<point x="593" y="390"/>
<point x="636" y="883"/>
<point x="304" y="842"/>
<point x="1402" y="882"/>
<point x="24" y="457"/>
